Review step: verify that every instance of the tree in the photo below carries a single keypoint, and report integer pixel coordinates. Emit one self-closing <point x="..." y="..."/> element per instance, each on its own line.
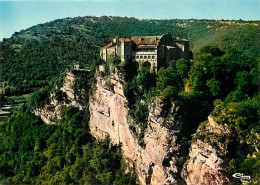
<point x="145" y="79"/>
<point x="168" y="77"/>
<point x="183" y="67"/>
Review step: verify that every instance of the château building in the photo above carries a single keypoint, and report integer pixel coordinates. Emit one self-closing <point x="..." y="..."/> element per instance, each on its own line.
<point x="152" y="51"/>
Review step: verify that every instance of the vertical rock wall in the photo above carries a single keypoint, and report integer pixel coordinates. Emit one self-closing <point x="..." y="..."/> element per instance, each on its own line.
<point x="206" y="162"/>
<point x="158" y="160"/>
<point x="109" y="115"/>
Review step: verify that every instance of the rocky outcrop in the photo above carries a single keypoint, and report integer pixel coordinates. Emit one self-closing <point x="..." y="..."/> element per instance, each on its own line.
<point x="157" y="159"/>
<point x="207" y="155"/>
<point x="52" y="111"/>
<point x="109" y="116"/>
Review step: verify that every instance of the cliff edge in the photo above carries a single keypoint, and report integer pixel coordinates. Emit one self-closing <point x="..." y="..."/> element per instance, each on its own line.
<point x="159" y="159"/>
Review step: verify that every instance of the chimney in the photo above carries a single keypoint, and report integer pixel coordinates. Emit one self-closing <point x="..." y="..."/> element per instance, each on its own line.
<point x="115" y="40"/>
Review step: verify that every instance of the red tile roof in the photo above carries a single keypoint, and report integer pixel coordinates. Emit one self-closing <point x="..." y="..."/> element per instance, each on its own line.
<point x="143" y="40"/>
<point x="107" y="46"/>
<point x="113" y="47"/>
<point x="146" y="40"/>
<point x="126" y="40"/>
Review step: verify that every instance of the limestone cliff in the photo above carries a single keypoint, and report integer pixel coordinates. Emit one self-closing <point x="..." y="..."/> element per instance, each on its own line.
<point x="52" y="111"/>
<point x="109" y="115"/>
<point x="158" y="160"/>
<point x="207" y="155"/>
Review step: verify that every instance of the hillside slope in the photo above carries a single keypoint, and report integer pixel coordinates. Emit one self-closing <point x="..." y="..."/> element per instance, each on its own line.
<point x="194" y="121"/>
<point x="35" y="57"/>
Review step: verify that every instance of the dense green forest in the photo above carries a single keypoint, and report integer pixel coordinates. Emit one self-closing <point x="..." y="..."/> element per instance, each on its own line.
<point x="32" y="152"/>
<point x="221" y="80"/>
<point x="35" y="57"/>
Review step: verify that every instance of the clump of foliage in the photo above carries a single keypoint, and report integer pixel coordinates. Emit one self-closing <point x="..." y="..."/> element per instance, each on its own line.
<point x="169" y="82"/>
<point x="84" y="81"/>
<point x="227" y="84"/>
<point x="138" y="82"/>
<point x="39" y="98"/>
<point x="33" y="152"/>
<point x="59" y="95"/>
<point x="242" y="118"/>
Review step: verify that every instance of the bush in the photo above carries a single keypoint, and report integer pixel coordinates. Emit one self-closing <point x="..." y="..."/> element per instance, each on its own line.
<point x="168" y="77"/>
<point x="141" y="114"/>
<point x="59" y="95"/>
<point x="145" y="80"/>
<point x="170" y="93"/>
<point x="183" y="67"/>
<point x="39" y="98"/>
<point x="214" y="50"/>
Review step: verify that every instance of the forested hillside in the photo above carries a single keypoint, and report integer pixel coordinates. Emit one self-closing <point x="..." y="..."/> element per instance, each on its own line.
<point x="221" y="80"/>
<point x="35" y="57"/>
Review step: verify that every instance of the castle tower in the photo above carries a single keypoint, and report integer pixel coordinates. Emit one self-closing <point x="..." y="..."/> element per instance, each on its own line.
<point x="126" y="49"/>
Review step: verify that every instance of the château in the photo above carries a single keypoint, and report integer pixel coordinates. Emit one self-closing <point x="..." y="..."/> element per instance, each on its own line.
<point x="151" y="51"/>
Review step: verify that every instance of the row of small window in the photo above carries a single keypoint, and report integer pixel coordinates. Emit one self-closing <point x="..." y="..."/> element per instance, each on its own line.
<point x="143" y="57"/>
<point x="146" y="50"/>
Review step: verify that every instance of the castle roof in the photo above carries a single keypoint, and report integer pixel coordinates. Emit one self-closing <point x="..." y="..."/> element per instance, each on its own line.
<point x="112" y="47"/>
<point x="147" y="40"/>
<point x="126" y="40"/>
<point x="107" y="46"/>
<point x="140" y="41"/>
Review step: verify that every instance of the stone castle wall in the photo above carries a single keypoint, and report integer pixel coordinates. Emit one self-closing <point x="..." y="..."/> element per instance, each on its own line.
<point x="157" y="53"/>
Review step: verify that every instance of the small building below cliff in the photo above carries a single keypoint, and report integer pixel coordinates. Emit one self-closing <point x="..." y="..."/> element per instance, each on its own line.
<point x="152" y="51"/>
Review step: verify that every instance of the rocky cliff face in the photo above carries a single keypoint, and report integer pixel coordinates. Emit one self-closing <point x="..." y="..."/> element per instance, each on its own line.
<point x="52" y="111"/>
<point x="207" y="155"/>
<point x="158" y="160"/>
<point x="109" y="116"/>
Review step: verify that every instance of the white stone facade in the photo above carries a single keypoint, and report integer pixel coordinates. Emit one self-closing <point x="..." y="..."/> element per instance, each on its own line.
<point x="151" y="51"/>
